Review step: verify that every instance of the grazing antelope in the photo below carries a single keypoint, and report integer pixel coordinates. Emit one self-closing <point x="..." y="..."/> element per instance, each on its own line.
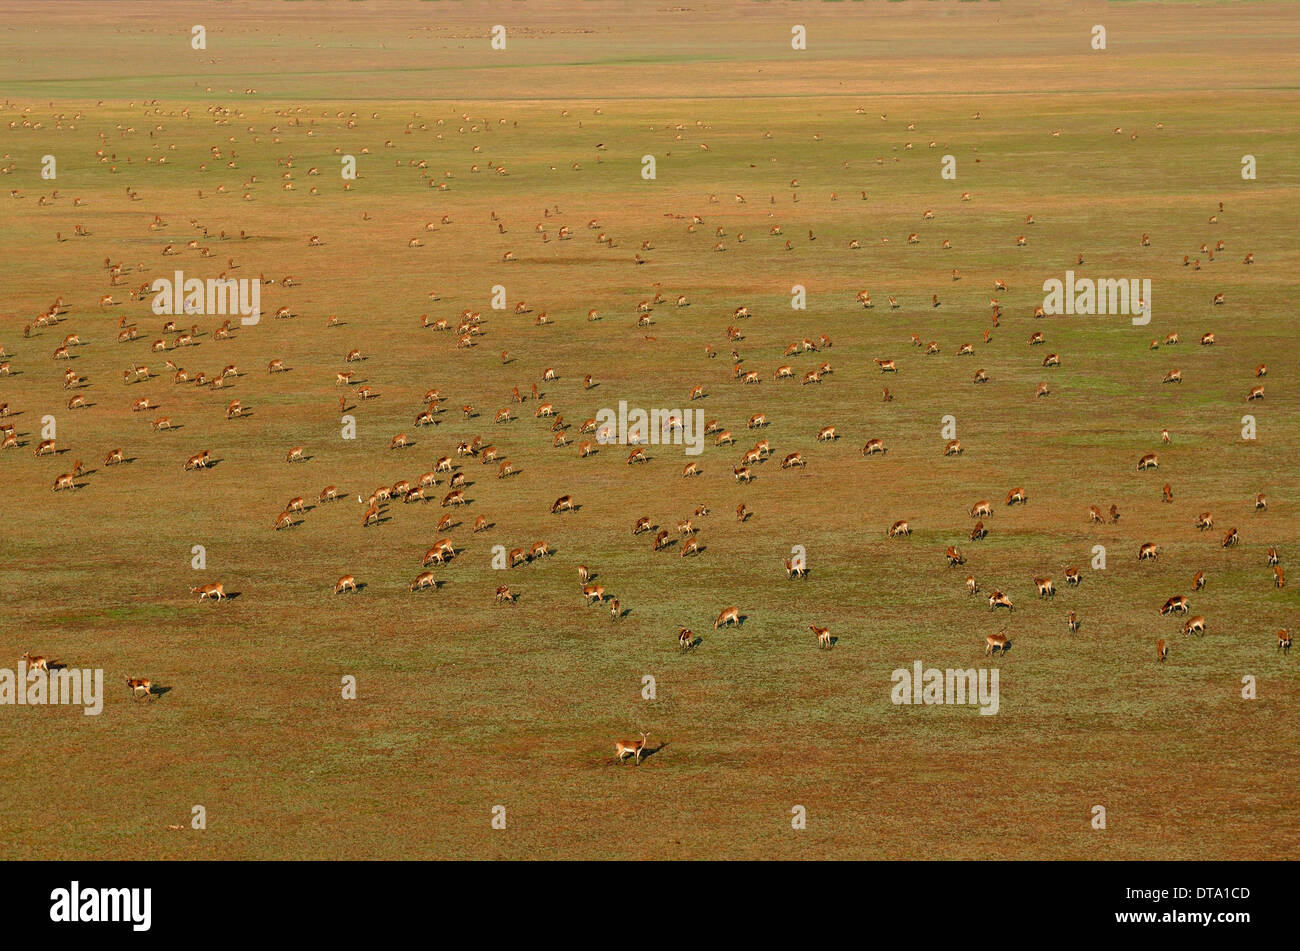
<point x="1177" y="603"/>
<point x="594" y="594"/>
<point x="637" y="455"/>
<point x="1284" y="641"/>
<point x="1173" y="376"/>
<point x="952" y="448"/>
<point x="873" y="446"/>
<point x="1198" y="581"/>
<point x="692" y="547"/>
<point x="899" y="528"/>
<point x="424" y="580"/>
<point x="626" y="748"/>
<point x="1207" y="340"/>
<point x="954" y="557"/>
<point x="1042" y="390"/>
<point x="729" y="616"/>
<point x="1149" y="461"/>
<point x="1271" y="558"/>
<point x="999" y="600"/>
<point x="1045" y="587"/>
<point x="65" y="481"/>
<point x="1162" y="650"/>
<point x="371" y="514"/>
<point x="1114" y="513"/>
<point x="978" y="532"/>
<point x="972" y="586"/>
<point x="1279" y="580"/>
<point x="1194" y="625"/>
<point x="995" y="643"/>
<point x="504" y="594"/>
<point x="1017" y="495"/>
<point x="794" y="459"/>
<point x="1256" y="393"/>
<point x="1230" y="539"/>
<point x="1261" y="502"/>
<point x="200" y="461"/>
<point x="1148" y="550"/>
<point x="295" y="455"/>
<point x="139" y="686"/>
<point x="116" y="457"/>
<point x="216" y="592"/>
<point x="562" y="504"/>
<point x="1168" y="492"/>
<point x="1204" y="521"/>
<point x="346" y="583"/>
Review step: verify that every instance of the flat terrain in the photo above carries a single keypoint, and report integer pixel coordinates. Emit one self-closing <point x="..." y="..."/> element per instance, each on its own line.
<point x="474" y="154"/>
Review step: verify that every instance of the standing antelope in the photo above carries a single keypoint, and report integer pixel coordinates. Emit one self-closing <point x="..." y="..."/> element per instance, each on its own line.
<point x="626" y="748"/>
<point x="216" y="592"/>
<point x="995" y="642"/>
<point x="1162" y="650"/>
<point x="824" y="639"/>
<point x="1072" y="623"/>
<point x="1045" y="587"/>
<point x="593" y="593"/>
<point x="138" y="684"/>
<point x="1284" y="641"/>
<point x="1072" y="577"/>
<point x="1148" y="550"/>
<point x="999" y="600"/>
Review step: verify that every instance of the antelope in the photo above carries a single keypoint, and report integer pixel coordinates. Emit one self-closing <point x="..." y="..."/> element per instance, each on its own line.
<point x="200" y="461"/>
<point x="1256" y="393"/>
<point x="827" y="434"/>
<point x="887" y="366"/>
<point x="1072" y="623"/>
<point x="1168" y="492"/>
<point x="1279" y="580"/>
<point x="995" y="642"/>
<point x="792" y="460"/>
<point x="743" y="474"/>
<point x="972" y="586"/>
<point x="952" y="448"/>
<point x="823" y="636"/>
<point x="1198" y="581"/>
<point x="1177" y="603"/>
<point x="729" y="616"/>
<point x="1016" y="495"/>
<point x="874" y="446"/>
<point x="1207" y="340"/>
<point x="138" y="684"/>
<point x="1194" y="625"/>
<point x="424" y="580"/>
<point x="538" y="550"/>
<point x="1072" y="577"/>
<point x="1272" y="557"/>
<point x="1051" y="360"/>
<point x="1045" y="587"/>
<point x="899" y="528"/>
<point x="626" y="748"/>
<point x="1162" y="650"/>
<point x="216" y="592"/>
<point x="978" y="532"/>
<point x="954" y="557"/>
<point x="637" y="455"/>
<point x="1148" y="550"/>
<point x="504" y="594"/>
<point x="1114" y="513"/>
<point x="1284" y="641"/>
<point x="999" y="600"/>
<point x="1149" y="461"/>
<point x="1043" y="390"/>
<point x="1204" y="521"/>
<point x="65" y="481"/>
<point x="692" y="547"/>
<point x="1173" y="376"/>
<point x="1230" y="539"/>
<point x="1261" y="502"/>
<point x="594" y="593"/>
<point x="346" y="583"/>
<point x="116" y="457"/>
<point x="455" y="497"/>
<point x="1036" y="338"/>
<point x="563" y="503"/>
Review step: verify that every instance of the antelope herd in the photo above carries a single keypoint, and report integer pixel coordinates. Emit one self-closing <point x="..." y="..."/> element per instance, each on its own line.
<point x="536" y="461"/>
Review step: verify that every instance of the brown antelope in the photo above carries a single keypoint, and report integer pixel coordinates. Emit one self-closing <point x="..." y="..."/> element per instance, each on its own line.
<point x="1261" y="502"/>
<point x="1148" y="550"/>
<point x="899" y="528"/>
<point x="295" y="455"/>
<point x="887" y="366"/>
<point x="1043" y="390"/>
<point x="65" y="481"/>
<point x="727" y="617"/>
<point x="1168" y="492"/>
<point x="1114" y="514"/>
<point x="116" y="457"/>
<point x="1198" y="581"/>
<point x="161" y="423"/>
<point x="978" y="532"/>
<point x="1207" y="340"/>
<point x="538" y="549"/>
<point x="36" y="662"/>
<point x="794" y="569"/>
<point x="824" y="639"/>
<point x="594" y="593"/>
<point x="1204" y="521"/>
<point x="1017" y="495"/>
<point x="792" y="460"/>
<point x="952" y="448"/>
<point x="562" y="504"/>
<point x="685" y="638"/>
<point x="200" y="461"/>
<point x="1173" y="376"/>
<point x="692" y="547"/>
<point x="1162" y="650"/>
<point x="999" y="600"/>
<point x="424" y="579"/>
<point x="954" y="557"/>
<point x="1194" y="625"/>
<point x="1149" y="461"/>
<point x="995" y="643"/>
<point x="1045" y="587"/>
<point x="626" y="748"/>
<point x="217" y="592"/>
<point x="1279" y="580"/>
<point x="371" y="514"/>
<point x="328" y="494"/>
<point x="1177" y="603"/>
<point x="346" y="583"/>
<point x="874" y="446"/>
<point x="1256" y="393"/>
<point x="140" y="686"/>
<point x="1271" y="557"/>
<point x="1072" y="623"/>
<point x="686" y="527"/>
<point x="1036" y="338"/>
<point x="1284" y="641"/>
<point x="504" y="594"/>
<point x="584" y="573"/>
<point x="972" y="586"/>
<point x="1230" y="539"/>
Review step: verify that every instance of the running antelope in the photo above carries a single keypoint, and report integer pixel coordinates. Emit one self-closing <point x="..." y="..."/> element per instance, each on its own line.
<point x="216" y="592"/>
